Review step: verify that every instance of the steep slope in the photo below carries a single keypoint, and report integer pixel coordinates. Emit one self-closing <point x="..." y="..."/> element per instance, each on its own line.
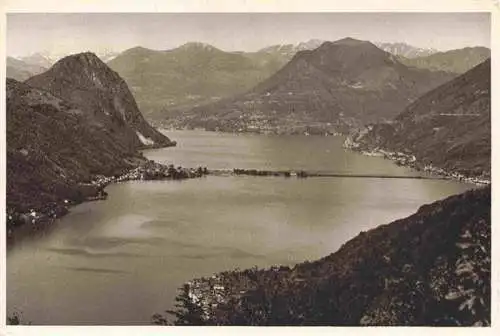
<point x="449" y="127"/>
<point x="347" y="82"/>
<point x="88" y="83"/>
<point x="190" y="74"/>
<point x="53" y="146"/>
<point x="455" y="61"/>
<point x="431" y="268"/>
<point x="20" y="70"/>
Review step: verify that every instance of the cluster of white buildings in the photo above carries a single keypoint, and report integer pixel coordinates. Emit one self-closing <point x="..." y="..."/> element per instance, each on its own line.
<point x="206" y="294"/>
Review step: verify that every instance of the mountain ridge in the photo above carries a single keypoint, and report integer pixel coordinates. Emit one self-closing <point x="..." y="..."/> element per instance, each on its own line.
<point x="344" y="82"/>
<point x="163" y="87"/>
<point x="448" y="127"/>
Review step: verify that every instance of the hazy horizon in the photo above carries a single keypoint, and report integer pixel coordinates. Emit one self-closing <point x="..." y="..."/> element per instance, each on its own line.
<point x="59" y="34"/>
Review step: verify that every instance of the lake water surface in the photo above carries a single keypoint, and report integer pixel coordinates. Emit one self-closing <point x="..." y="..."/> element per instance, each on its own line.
<point x="121" y="260"/>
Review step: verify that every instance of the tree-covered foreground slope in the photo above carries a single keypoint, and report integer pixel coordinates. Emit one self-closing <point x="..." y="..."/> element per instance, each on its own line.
<point x="431" y="268"/>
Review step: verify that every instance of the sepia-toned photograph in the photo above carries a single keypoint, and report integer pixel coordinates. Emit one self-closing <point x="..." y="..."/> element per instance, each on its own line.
<point x="248" y="169"/>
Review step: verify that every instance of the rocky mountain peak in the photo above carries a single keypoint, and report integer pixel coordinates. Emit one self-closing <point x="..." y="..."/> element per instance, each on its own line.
<point x="87" y="69"/>
<point x="88" y="83"/>
<point x="350" y="46"/>
<point x="350" y="41"/>
<point x="347" y="56"/>
<point x="85" y="57"/>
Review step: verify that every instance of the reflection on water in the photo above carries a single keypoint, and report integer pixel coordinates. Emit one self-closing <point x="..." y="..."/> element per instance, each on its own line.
<point x="121" y="260"/>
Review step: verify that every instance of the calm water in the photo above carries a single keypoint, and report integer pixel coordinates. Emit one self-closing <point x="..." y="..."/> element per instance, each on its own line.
<point x="121" y="260"/>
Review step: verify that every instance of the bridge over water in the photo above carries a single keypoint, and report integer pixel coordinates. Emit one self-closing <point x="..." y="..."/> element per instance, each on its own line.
<point x="315" y="173"/>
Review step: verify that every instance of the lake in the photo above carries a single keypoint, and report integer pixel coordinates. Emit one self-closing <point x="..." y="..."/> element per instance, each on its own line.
<point x="121" y="260"/>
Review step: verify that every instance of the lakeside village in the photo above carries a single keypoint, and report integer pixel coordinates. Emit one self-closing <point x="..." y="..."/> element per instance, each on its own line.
<point x="200" y="298"/>
<point x="408" y="160"/>
<point x="149" y="170"/>
<point x="254" y="124"/>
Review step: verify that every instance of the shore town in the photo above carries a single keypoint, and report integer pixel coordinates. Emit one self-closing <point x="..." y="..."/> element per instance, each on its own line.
<point x="149" y="170"/>
<point x="409" y="160"/>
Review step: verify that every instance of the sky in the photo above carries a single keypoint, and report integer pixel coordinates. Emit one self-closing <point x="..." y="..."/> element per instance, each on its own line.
<point x="58" y="33"/>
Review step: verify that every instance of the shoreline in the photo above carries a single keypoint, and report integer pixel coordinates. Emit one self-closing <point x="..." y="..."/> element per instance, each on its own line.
<point x="300" y="131"/>
<point x="410" y="161"/>
<point x="37" y="219"/>
<point x="399" y="158"/>
<point x="20" y="224"/>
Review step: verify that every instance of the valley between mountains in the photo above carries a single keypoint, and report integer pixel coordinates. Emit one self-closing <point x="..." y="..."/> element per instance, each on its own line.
<point x="82" y="125"/>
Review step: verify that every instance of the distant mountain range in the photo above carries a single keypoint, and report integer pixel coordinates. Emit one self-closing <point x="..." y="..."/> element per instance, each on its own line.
<point x="397" y="49"/>
<point x="190" y="74"/>
<point x="456" y="61"/>
<point x="405" y="50"/>
<point x="47" y="59"/>
<point x="66" y="125"/>
<point x="289" y="50"/>
<point x="20" y="70"/>
<point x="165" y="82"/>
<point x="346" y="83"/>
<point x="449" y="127"/>
<point x="41" y="59"/>
<point x="159" y="96"/>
